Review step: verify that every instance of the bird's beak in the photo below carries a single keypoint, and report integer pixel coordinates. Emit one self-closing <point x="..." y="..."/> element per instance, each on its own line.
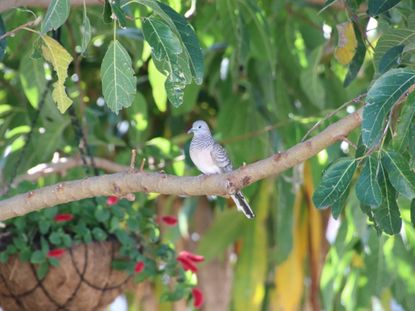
<point x="190" y="131"/>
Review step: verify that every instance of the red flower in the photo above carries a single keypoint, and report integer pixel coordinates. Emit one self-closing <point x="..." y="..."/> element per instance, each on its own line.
<point x="63" y="217"/>
<point x="197" y="297"/>
<point x="57" y="252"/>
<point x="191" y="256"/>
<point x="187" y="264"/>
<point x="112" y="200"/>
<point x="169" y="220"/>
<point x="139" y="266"/>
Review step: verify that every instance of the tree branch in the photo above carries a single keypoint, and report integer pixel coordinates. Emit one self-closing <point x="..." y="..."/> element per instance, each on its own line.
<point x="136" y="181"/>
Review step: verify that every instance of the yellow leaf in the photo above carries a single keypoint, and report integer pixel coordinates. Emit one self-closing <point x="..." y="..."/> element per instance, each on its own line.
<point x="289" y="276"/>
<point x="347" y="44"/>
<point x="315" y="222"/>
<point x="60" y="59"/>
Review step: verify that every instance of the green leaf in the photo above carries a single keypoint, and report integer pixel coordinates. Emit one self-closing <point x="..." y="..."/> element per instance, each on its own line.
<point x="381" y="97"/>
<point x="118" y="80"/>
<point x="107" y="12"/>
<point x="55" y="238"/>
<point x="119" y="13"/>
<point x="102" y="214"/>
<point x="334" y="183"/>
<point x="60" y="59"/>
<point x="310" y="80"/>
<point x="42" y="270"/>
<point x="32" y="78"/>
<point x="3" y="42"/>
<point x="387" y="215"/>
<point x="99" y="234"/>
<point x="157" y="81"/>
<point x="37" y="257"/>
<point x="230" y="225"/>
<point x="399" y="173"/>
<point x="358" y="58"/>
<point x="401" y="139"/>
<point x="185" y="32"/>
<point x="86" y="32"/>
<point x="57" y="14"/>
<point x="376" y="7"/>
<point x="367" y="187"/>
<point x="337" y="207"/>
<point x="44" y="227"/>
<point x="168" y="57"/>
<point x="390" y="58"/>
<point x="393" y="37"/>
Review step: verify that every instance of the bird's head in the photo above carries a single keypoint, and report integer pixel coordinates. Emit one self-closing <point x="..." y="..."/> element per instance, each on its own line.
<point x="199" y="127"/>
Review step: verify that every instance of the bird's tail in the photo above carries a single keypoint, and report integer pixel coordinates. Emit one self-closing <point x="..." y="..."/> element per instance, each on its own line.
<point x="242" y="204"/>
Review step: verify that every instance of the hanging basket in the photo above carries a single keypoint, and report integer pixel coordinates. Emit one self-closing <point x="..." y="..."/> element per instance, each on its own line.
<point x="83" y="281"/>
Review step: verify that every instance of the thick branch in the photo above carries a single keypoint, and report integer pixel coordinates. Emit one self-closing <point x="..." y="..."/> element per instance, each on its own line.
<point x="221" y="184"/>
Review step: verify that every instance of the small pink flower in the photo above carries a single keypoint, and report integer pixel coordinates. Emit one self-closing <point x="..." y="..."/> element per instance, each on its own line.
<point x="197" y="297"/>
<point x="112" y="200"/>
<point x="139" y="266"/>
<point x="187" y="264"/>
<point x="191" y="256"/>
<point x="57" y="252"/>
<point x="63" y="217"/>
<point x="169" y="220"/>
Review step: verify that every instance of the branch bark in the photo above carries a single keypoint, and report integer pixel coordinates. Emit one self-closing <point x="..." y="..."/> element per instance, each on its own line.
<point x="136" y="181"/>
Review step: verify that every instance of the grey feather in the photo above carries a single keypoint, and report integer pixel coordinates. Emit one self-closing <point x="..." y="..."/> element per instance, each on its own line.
<point x="211" y="158"/>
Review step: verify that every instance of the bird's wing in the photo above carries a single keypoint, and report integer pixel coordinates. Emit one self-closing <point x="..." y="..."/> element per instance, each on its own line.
<point x="220" y="158"/>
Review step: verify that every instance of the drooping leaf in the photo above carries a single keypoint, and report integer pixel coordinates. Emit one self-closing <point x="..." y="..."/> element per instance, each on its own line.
<point x="367" y="187"/>
<point x="86" y="32"/>
<point x="184" y="31"/>
<point x="346" y="46"/>
<point x="231" y="227"/>
<point x="377" y="7"/>
<point x="168" y="57"/>
<point x="3" y="42"/>
<point x="387" y="215"/>
<point x="399" y="173"/>
<point x="56" y="15"/>
<point x="117" y="75"/>
<point x="383" y="94"/>
<point x="401" y="139"/>
<point x="119" y="13"/>
<point x="60" y="59"/>
<point x="390" y="58"/>
<point x="107" y="12"/>
<point x="334" y="182"/>
<point x="338" y="206"/>
<point x="391" y="38"/>
<point x="358" y="57"/>
<point x="32" y="78"/>
<point x="310" y="80"/>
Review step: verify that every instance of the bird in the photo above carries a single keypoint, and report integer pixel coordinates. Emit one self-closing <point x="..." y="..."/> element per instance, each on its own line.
<point x="211" y="158"/>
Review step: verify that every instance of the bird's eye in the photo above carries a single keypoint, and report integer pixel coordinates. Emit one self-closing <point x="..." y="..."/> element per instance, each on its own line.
<point x="200" y="126"/>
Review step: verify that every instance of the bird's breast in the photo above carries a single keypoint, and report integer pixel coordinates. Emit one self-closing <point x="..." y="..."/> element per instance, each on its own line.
<point x="203" y="160"/>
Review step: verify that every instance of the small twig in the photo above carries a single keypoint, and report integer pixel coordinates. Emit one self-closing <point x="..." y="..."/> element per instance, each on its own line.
<point x="32" y="23"/>
<point x="328" y="116"/>
<point x="133" y="157"/>
<point x="143" y="161"/>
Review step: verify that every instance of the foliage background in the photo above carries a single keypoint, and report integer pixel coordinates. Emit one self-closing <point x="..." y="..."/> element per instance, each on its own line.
<point x="272" y="69"/>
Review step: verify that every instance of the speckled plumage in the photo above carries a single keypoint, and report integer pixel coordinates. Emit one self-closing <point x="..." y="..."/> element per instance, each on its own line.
<point x="211" y="158"/>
